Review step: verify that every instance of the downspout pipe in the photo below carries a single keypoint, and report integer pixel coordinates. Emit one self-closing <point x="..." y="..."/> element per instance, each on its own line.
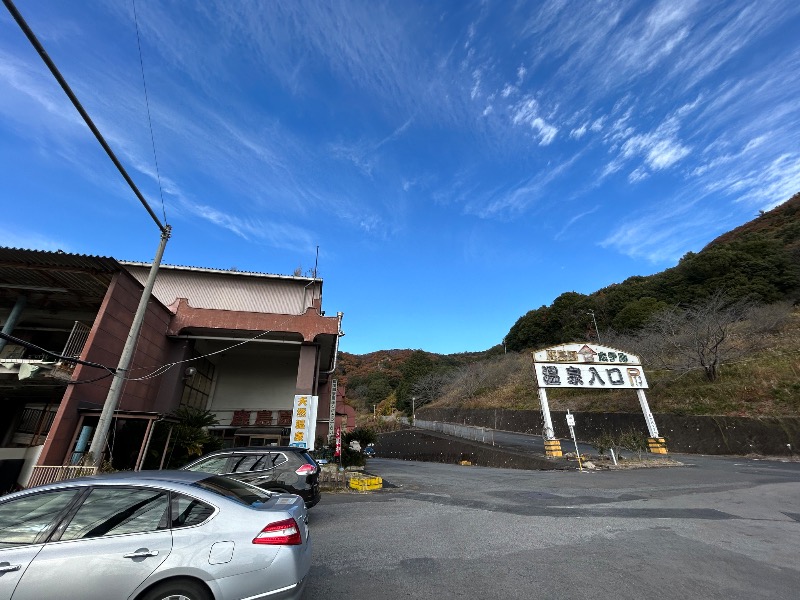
<point x="339" y="316"/>
<point x="13" y="319"/>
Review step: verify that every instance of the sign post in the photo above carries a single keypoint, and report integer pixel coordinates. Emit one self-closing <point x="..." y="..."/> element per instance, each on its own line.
<point x="338" y="452"/>
<point x="571" y="425"/>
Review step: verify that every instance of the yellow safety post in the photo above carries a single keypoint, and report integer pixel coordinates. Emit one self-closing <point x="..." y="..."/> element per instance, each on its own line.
<point x="553" y="448"/>
<point x="657" y="445"/>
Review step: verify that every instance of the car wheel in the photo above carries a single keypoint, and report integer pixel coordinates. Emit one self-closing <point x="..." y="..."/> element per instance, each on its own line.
<point x="179" y="589"/>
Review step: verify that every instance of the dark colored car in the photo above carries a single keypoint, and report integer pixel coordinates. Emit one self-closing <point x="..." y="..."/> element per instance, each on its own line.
<point x="274" y="468"/>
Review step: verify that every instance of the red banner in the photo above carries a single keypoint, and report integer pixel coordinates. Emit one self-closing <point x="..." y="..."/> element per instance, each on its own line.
<point x="338" y="442"/>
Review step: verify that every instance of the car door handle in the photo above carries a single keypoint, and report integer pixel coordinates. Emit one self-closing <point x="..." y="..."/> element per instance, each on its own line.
<point x="6" y="568"/>
<point x="141" y="554"/>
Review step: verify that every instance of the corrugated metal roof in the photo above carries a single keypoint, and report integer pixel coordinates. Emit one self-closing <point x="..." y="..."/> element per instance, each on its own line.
<point x="58" y="259"/>
<point x="231" y="290"/>
<point x="71" y="280"/>
<point x="222" y="271"/>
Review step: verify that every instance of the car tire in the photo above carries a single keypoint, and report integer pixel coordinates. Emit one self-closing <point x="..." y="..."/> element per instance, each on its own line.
<point x="177" y="589"/>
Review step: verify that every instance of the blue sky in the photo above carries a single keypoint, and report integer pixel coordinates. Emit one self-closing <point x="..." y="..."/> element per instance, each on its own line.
<point x="457" y="163"/>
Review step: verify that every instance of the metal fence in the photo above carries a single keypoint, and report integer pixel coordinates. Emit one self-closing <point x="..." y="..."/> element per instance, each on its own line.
<point x="43" y="475"/>
<point x="478" y="434"/>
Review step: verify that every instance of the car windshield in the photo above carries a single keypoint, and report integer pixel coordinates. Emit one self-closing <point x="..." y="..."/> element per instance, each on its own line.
<point x="235" y="490"/>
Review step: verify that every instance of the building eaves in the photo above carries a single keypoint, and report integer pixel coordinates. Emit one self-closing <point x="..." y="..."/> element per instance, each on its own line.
<point x="128" y="263"/>
<point x="58" y="259"/>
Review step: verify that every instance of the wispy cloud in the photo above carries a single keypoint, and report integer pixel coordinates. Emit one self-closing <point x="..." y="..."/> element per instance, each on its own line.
<point x="32" y="240"/>
<point x="764" y="186"/>
<point x="574" y="220"/>
<point x="274" y="234"/>
<point x="578" y="132"/>
<point x="510" y="202"/>
<point x="663" y="234"/>
<point x="527" y="112"/>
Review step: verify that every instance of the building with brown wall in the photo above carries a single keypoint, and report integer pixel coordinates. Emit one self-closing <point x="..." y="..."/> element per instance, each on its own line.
<point x="238" y="344"/>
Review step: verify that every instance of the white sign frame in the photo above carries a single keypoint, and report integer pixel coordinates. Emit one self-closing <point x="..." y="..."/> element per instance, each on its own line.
<point x="588" y="359"/>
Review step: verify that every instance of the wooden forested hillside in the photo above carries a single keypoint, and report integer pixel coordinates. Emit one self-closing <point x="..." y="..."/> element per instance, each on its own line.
<point x="759" y="261"/>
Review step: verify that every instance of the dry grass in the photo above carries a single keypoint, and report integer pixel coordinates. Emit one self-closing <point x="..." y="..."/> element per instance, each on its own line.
<point x="764" y="382"/>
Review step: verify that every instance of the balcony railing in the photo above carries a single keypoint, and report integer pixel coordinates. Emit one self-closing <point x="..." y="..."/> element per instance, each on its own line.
<point x="254" y="417"/>
<point x="44" y="475"/>
<point x="72" y="349"/>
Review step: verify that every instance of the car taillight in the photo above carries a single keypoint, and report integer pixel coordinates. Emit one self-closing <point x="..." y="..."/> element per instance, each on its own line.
<point x="306" y="469"/>
<point x="281" y="533"/>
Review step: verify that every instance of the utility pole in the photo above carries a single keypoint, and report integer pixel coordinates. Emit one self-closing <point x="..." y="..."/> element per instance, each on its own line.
<point x="596" y="330"/>
<point x="114" y="392"/>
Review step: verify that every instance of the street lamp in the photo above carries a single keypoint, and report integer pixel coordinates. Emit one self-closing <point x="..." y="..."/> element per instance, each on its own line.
<point x="413" y="408"/>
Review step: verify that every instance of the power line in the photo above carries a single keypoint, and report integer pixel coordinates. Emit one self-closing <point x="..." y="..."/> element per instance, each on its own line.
<point x="30" y="346"/>
<point x="79" y="107"/>
<point x="157" y="370"/>
<point x="149" y="119"/>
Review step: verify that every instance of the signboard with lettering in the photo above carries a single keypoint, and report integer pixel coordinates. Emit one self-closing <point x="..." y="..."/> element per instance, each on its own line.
<point x="577" y="375"/>
<point x="588" y="366"/>
<point x="304" y="421"/>
<point x="585" y="353"/>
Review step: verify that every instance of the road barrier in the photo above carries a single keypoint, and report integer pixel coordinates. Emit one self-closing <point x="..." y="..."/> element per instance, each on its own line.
<point x="468" y="432"/>
<point x="363" y="483"/>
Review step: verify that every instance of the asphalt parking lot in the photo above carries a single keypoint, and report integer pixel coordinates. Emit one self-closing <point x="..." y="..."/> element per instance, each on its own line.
<point x="716" y="528"/>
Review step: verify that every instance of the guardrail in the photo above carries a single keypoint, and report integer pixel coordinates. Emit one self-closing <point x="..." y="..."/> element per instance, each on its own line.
<point x="468" y="432"/>
<point x="44" y="475"/>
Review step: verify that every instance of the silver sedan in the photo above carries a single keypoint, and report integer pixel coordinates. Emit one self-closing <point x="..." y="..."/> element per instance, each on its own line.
<point x="153" y="535"/>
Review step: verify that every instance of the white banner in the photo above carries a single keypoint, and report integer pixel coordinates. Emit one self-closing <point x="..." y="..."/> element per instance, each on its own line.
<point x="583" y="375"/>
<point x="304" y="421"/>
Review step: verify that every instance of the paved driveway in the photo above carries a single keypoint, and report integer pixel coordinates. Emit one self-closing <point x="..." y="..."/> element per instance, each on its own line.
<point x="718" y="528"/>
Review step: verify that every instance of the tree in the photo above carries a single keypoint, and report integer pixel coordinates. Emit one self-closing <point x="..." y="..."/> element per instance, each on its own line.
<point x="190" y="435"/>
<point x="637" y="313"/>
<point x="429" y="387"/>
<point x="697" y="336"/>
<point x="363" y="435"/>
<point x="415" y="367"/>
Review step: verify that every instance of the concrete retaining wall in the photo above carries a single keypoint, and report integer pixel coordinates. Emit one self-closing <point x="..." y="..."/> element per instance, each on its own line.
<point x="429" y="446"/>
<point x="775" y="436"/>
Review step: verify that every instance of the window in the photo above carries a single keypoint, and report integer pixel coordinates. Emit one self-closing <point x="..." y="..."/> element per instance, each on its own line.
<point x="277" y="459"/>
<point x="246" y="463"/>
<point x="233" y="489"/>
<point x="212" y="464"/>
<point x="269" y="461"/>
<point x="187" y="511"/>
<point x="24" y="519"/>
<point x="197" y="387"/>
<point x="116" y="511"/>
